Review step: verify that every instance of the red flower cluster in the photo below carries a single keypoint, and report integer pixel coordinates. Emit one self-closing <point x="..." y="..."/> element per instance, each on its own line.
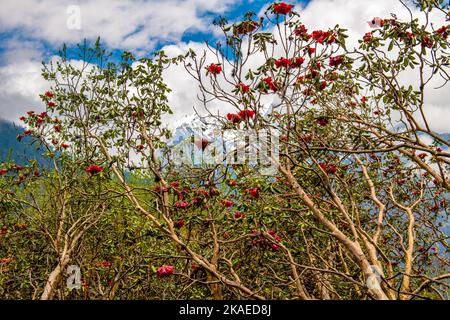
<point x="254" y="192"/>
<point x="104" y="263"/>
<point x="235" y="118"/>
<point x="49" y="94"/>
<point x="336" y="61"/>
<point x="64" y="145"/>
<point x="3" y="172"/>
<point x="323" y="36"/>
<point x="328" y="168"/>
<point x="263" y="241"/>
<point x="179" y="224"/>
<point x="181" y="205"/>
<point x="94" y="169"/>
<point x="243" y="87"/>
<point x="282" y="8"/>
<point x="323" y="85"/>
<point x="289" y="63"/>
<point x="443" y="31"/>
<point x="322" y="122"/>
<point x="164" y="271"/>
<point x="302" y="32"/>
<point x="227" y="203"/>
<point x="246" y="114"/>
<point x="282" y="63"/>
<point x="214" y="68"/>
<point x="269" y="81"/>
<point x="368" y="37"/>
<point x="242" y="115"/>
<point x="238" y="215"/>
<point x="296" y="62"/>
<point x="159" y="189"/>
<point x="427" y="42"/>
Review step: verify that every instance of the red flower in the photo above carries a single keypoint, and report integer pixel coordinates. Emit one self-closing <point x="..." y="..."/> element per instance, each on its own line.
<point x="57" y="128"/>
<point x="376" y="22"/>
<point x="175" y="184"/>
<point x="94" y="169"/>
<point x="302" y="32"/>
<point x="49" y="94"/>
<point x="282" y="63"/>
<point x="269" y="81"/>
<point x="179" y="224"/>
<point x="328" y="168"/>
<point x="214" y="68"/>
<point x="22" y="118"/>
<point x="181" y="205"/>
<point x="158" y="189"/>
<point x="232" y="183"/>
<point x="275" y="247"/>
<point x="28" y="132"/>
<point x="42" y="115"/>
<point x="3" y="172"/>
<point x="311" y="50"/>
<point x="427" y="42"/>
<point x="164" y="271"/>
<point x="282" y="8"/>
<point x="19" y="167"/>
<point x="296" y="62"/>
<point x="227" y="203"/>
<point x="51" y="104"/>
<point x="422" y="155"/>
<point x="140" y="147"/>
<point x="64" y="145"/>
<point x="238" y="215"/>
<point x="336" y="61"/>
<point x="254" y="192"/>
<point x="246" y="114"/>
<point x="323" y="85"/>
<point x="194" y="266"/>
<point x="368" y="37"/>
<point x="443" y="32"/>
<point x="104" y="263"/>
<point x="322" y="122"/>
<point x="235" y="118"/>
<point x="202" y="143"/>
<point x="243" y="87"/>
<point x="322" y="36"/>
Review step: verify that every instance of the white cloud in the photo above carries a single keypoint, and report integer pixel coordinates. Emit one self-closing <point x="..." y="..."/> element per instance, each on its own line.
<point x="137" y="25"/>
<point x="121" y="24"/>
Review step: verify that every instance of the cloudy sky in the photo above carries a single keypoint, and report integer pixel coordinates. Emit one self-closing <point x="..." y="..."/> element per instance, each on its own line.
<point x="32" y="30"/>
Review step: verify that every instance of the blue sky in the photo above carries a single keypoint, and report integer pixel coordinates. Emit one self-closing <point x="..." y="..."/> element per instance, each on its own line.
<point x="21" y="32"/>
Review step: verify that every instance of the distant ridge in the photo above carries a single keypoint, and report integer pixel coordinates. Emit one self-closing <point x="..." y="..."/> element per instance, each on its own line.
<point x="15" y="151"/>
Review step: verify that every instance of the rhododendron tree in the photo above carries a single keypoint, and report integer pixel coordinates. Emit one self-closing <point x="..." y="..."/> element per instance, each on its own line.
<point x="355" y="209"/>
<point x="353" y="133"/>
